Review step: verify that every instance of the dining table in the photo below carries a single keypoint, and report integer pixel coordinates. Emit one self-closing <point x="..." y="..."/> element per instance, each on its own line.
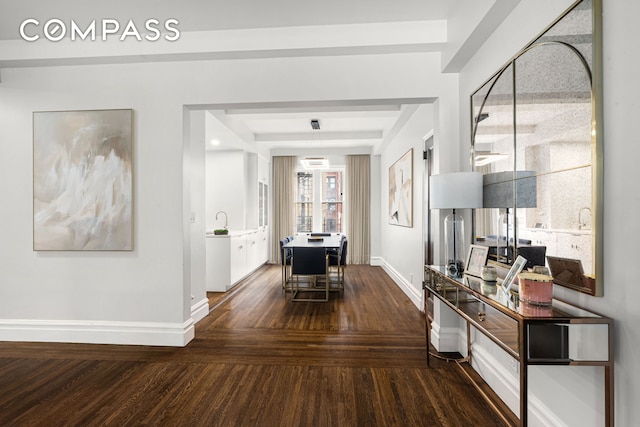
<point x="311" y="241"/>
<point x="323" y="245"/>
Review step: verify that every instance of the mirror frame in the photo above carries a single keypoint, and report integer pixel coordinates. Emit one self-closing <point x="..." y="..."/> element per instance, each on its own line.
<point x="593" y="287"/>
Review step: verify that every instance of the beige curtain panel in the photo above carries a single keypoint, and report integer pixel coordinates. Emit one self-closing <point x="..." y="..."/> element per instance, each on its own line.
<point x="283" y="187"/>
<point x="359" y="203"/>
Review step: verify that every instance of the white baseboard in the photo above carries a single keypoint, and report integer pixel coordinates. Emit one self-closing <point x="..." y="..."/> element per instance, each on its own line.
<point x="444" y="339"/>
<point x="497" y="375"/>
<point x="232" y="285"/>
<point x="98" y="332"/>
<point x="414" y="294"/>
<point x="376" y="261"/>
<point x="200" y="310"/>
<point x="506" y="385"/>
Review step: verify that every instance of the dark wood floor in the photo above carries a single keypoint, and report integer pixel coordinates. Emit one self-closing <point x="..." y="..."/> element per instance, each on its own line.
<point x="257" y="360"/>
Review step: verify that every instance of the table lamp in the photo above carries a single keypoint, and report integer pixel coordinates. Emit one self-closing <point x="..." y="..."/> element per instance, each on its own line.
<point x="458" y="190"/>
<point x="508" y="190"/>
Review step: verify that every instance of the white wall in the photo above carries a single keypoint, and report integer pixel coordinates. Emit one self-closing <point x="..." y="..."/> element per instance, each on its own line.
<point x="143" y="296"/>
<point x="401" y="248"/>
<point x="99" y="296"/>
<point x="573" y="396"/>
<point x="195" y="196"/>
<point x="225" y="189"/>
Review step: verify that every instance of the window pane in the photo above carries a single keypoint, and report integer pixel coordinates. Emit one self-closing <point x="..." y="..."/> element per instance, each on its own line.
<point x="304" y="190"/>
<point x="332" y="202"/>
<point x="331" y="186"/>
<point x="304" y="205"/>
<point x="304" y="217"/>
<point x="332" y="217"/>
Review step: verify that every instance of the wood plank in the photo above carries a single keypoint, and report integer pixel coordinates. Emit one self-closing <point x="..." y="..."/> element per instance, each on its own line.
<point x="257" y="359"/>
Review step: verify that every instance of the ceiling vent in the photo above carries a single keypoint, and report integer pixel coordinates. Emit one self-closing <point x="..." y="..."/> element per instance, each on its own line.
<point x="315" y="163"/>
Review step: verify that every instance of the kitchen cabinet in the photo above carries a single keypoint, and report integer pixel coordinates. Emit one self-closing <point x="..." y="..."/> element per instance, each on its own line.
<point x="232" y="257"/>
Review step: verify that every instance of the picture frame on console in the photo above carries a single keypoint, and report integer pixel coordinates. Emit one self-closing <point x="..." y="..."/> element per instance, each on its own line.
<point x="476" y="259"/>
<point x="516" y="268"/>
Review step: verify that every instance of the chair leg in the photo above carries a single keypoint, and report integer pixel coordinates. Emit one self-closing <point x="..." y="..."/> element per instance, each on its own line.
<point x="284" y="278"/>
<point x="287" y="275"/>
<point x="326" y="284"/>
<point x="294" y="292"/>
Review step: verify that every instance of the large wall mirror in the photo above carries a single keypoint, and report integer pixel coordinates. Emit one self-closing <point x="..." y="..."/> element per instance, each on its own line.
<point x="537" y="139"/>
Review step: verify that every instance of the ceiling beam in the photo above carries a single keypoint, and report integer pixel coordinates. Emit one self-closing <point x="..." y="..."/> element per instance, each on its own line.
<point x="327" y="111"/>
<point x="294" y="41"/>
<point x="318" y="136"/>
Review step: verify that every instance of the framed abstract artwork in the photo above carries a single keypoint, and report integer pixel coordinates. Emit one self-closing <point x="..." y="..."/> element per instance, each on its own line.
<point x="83" y="180"/>
<point x="401" y="191"/>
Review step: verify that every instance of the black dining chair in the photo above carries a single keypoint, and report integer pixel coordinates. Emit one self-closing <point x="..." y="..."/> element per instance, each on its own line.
<point x="335" y="251"/>
<point x="535" y="255"/>
<point x="339" y="261"/>
<point x="309" y="263"/>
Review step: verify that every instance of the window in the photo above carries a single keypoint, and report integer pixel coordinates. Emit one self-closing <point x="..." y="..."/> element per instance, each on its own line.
<point x="332" y="202"/>
<point x="304" y="202"/>
<point x="319" y="211"/>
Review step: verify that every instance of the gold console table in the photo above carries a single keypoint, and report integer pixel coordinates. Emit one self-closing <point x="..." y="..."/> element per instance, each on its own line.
<point x="559" y="334"/>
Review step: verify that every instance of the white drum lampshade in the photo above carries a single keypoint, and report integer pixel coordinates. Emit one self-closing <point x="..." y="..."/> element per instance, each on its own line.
<point x="458" y="190"/>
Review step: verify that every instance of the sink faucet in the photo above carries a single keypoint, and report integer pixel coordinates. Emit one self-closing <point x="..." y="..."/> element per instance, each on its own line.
<point x="225" y="217"/>
<point x="582" y="224"/>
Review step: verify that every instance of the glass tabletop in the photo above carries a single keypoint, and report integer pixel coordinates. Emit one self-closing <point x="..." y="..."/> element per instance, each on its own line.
<point x="494" y="291"/>
<point x="307" y="241"/>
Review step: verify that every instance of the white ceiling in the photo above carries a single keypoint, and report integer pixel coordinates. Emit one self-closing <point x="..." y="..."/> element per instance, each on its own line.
<point x="290" y="128"/>
<point x="241" y="28"/>
<point x="211" y="15"/>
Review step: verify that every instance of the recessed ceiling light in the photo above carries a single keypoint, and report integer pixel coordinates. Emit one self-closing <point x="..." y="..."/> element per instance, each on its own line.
<point x="214" y="142"/>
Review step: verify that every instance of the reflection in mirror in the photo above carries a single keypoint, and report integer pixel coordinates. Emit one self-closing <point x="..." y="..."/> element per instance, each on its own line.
<point x="536" y="145"/>
<point x="553" y="137"/>
<point x="493" y="133"/>
<point x="493" y="136"/>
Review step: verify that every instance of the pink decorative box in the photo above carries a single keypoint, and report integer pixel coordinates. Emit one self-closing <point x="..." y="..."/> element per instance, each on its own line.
<point x="535" y="310"/>
<point x="536" y="288"/>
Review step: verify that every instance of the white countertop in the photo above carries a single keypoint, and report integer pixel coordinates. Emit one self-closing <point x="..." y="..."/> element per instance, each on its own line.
<point x="233" y="233"/>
